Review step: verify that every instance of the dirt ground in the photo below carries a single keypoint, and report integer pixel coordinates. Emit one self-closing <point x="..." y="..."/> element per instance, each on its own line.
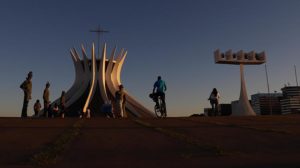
<point x="263" y="141"/>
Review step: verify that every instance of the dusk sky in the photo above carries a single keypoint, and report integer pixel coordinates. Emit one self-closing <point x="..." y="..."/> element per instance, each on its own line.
<point x="172" y="38"/>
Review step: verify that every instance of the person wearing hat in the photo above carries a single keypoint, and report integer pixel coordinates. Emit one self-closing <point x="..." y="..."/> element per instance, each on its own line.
<point x="26" y="86"/>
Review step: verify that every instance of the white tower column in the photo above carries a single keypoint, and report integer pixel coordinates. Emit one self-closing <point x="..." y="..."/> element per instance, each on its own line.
<point x="245" y="108"/>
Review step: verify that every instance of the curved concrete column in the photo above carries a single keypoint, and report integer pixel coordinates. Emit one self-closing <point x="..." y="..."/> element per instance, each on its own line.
<point x="92" y="87"/>
<point x="83" y="79"/>
<point x="108" y="74"/>
<point x="102" y="75"/>
<point x="76" y="62"/>
<point x="79" y="68"/>
<point x="115" y="79"/>
<point x="135" y="107"/>
<point x="80" y="86"/>
<point x="86" y="64"/>
<point x="71" y="91"/>
<point x="114" y="74"/>
<point x="113" y="84"/>
<point x="119" y="68"/>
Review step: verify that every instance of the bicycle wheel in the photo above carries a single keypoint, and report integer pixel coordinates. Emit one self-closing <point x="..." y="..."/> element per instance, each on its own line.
<point x="163" y="109"/>
<point x="158" y="109"/>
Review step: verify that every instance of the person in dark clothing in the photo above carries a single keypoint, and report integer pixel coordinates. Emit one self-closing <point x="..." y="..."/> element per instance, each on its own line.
<point x="26" y="86"/>
<point x="159" y="89"/>
<point x="62" y="104"/>
<point x="49" y="110"/>
<point x="46" y="98"/>
<point x="214" y="99"/>
<point x="107" y="109"/>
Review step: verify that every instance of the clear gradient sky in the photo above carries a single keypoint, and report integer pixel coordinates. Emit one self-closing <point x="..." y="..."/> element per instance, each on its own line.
<point x="171" y="38"/>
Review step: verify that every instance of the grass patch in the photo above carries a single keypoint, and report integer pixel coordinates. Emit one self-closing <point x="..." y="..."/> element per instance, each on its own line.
<point x="50" y="154"/>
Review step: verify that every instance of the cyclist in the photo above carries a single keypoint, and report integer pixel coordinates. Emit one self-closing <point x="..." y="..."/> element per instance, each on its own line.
<point x="160" y="87"/>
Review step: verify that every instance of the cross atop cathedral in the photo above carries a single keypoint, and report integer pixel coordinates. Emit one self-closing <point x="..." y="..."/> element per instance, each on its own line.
<point x="99" y="31"/>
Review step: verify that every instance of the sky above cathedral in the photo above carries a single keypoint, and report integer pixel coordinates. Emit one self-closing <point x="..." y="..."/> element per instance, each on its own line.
<point x="172" y="38"/>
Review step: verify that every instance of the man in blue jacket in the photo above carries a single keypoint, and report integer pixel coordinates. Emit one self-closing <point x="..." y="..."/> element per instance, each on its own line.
<point x="160" y="87"/>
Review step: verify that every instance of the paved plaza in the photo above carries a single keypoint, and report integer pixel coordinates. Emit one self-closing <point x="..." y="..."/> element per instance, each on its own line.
<point x="271" y="141"/>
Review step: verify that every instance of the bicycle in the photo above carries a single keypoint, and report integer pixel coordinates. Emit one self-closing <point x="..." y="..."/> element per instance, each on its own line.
<point x="160" y="110"/>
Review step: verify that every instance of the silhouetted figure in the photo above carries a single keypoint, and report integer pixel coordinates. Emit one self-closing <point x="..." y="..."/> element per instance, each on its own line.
<point x="46" y="98"/>
<point x="26" y="86"/>
<point x="214" y="99"/>
<point x="120" y="101"/>
<point x="159" y="89"/>
<point x="62" y="104"/>
<point x="37" y="108"/>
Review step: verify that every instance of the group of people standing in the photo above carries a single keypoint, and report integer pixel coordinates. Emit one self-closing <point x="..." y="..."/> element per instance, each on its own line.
<point x="49" y="111"/>
<point x="58" y="109"/>
<point x="115" y="110"/>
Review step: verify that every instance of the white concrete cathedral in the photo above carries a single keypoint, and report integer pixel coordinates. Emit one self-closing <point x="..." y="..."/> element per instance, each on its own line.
<point x="96" y="81"/>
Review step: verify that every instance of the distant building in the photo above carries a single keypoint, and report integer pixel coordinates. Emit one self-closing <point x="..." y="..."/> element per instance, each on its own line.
<point x="225" y="109"/>
<point x="235" y="107"/>
<point x="290" y="101"/>
<point x="266" y="104"/>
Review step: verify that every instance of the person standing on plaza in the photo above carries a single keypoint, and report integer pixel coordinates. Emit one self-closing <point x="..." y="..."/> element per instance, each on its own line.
<point x="62" y="104"/>
<point x="46" y="98"/>
<point x="214" y="99"/>
<point x="120" y="103"/>
<point x="26" y="86"/>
